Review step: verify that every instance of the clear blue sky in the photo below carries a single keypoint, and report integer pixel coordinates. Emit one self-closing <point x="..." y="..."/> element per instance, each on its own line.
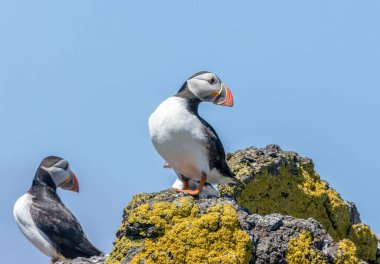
<point x="79" y="79"/>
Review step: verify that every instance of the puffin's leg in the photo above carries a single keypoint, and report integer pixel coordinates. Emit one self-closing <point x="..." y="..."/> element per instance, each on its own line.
<point x="198" y="189"/>
<point x="185" y="184"/>
<point x="182" y="183"/>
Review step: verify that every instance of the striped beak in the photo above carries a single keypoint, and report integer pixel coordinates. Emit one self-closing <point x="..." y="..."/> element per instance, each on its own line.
<point x="71" y="183"/>
<point x="224" y="96"/>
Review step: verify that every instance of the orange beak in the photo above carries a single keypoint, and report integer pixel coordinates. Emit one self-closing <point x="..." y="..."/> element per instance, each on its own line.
<point x="75" y="186"/>
<point x="228" y="99"/>
<point x="71" y="183"/>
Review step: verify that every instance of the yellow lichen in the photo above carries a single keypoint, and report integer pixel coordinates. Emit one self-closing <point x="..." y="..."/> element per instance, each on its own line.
<point x="346" y="253"/>
<point x="184" y="235"/>
<point x="300" y="251"/>
<point x="121" y="249"/>
<point x="239" y="167"/>
<point x="365" y="241"/>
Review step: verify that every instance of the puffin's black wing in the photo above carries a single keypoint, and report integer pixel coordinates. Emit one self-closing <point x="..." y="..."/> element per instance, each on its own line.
<point x="217" y="156"/>
<point x="61" y="227"/>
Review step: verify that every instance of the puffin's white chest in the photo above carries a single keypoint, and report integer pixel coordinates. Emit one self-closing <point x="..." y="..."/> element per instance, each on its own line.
<point x="23" y="217"/>
<point x="179" y="138"/>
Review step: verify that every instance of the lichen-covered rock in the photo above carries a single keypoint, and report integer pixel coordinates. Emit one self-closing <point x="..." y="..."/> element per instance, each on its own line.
<point x="347" y="253"/>
<point x="283" y="239"/>
<point x="302" y="249"/>
<point x="365" y="241"/>
<point x="167" y="227"/>
<point x="276" y="181"/>
<point x="281" y="213"/>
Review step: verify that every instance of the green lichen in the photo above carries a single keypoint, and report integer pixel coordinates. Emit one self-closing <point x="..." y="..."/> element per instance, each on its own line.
<point x="347" y="253"/>
<point x="365" y="241"/>
<point x="301" y="251"/>
<point x="182" y="234"/>
<point x="286" y="183"/>
<point x="302" y="196"/>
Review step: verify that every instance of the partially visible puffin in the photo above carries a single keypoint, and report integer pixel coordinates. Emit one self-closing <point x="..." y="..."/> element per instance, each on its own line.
<point x="185" y="140"/>
<point x="45" y="220"/>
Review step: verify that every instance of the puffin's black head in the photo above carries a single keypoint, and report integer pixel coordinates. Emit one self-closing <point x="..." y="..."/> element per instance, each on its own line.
<point x="206" y="87"/>
<point x="55" y="172"/>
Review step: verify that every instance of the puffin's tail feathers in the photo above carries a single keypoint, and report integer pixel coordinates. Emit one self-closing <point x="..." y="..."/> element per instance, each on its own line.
<point x="90" y="249"/>
<point x="84" y="249"/>
<point x="229" y="180"/>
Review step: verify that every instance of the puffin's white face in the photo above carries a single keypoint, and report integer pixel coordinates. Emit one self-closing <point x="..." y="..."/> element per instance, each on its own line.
<point x="207" y="87"/>
<point x="62" y="176"/>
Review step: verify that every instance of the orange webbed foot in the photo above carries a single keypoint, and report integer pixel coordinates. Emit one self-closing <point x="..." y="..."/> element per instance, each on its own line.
<point x="190" y="192"/>
<point x="195" y="192"/>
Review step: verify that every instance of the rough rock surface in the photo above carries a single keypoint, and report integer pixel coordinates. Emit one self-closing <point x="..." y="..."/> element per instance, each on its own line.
<point x="167" y="227"/>
<point x="276" y="181"/>
<point x="281" y="213"/>
<point x="94" y="260"/>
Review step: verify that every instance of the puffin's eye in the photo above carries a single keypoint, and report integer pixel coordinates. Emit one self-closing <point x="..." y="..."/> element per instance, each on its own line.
<point x="212" y="80"/>
<point x="62" y="165"/>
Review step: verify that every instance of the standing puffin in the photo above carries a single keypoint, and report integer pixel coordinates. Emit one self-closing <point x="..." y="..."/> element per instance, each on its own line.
<point x="45" y="220"/>
<point x="185" y="140"/>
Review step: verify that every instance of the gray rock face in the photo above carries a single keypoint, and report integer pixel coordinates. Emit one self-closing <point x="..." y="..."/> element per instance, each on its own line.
<point x="94" y="260"/>
<point x="354" y="213"/>
<point x="272" y="234"/>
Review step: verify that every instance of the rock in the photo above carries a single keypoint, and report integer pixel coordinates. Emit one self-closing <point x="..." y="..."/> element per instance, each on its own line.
<point x="281" y="213"/>
<point x="272" y="234"/>
<point x="93" y="260"/>
<point x="188" y="230"/>
<point x="365" y="241"/>
<point x="277" y="181"/>
<point x="354" y="213"/>
<point x="217" y="230"/>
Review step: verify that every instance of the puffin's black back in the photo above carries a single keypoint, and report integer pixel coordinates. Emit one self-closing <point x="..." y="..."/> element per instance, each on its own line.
<point x="217" y="155"/>
<point x="57" y="222"/>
